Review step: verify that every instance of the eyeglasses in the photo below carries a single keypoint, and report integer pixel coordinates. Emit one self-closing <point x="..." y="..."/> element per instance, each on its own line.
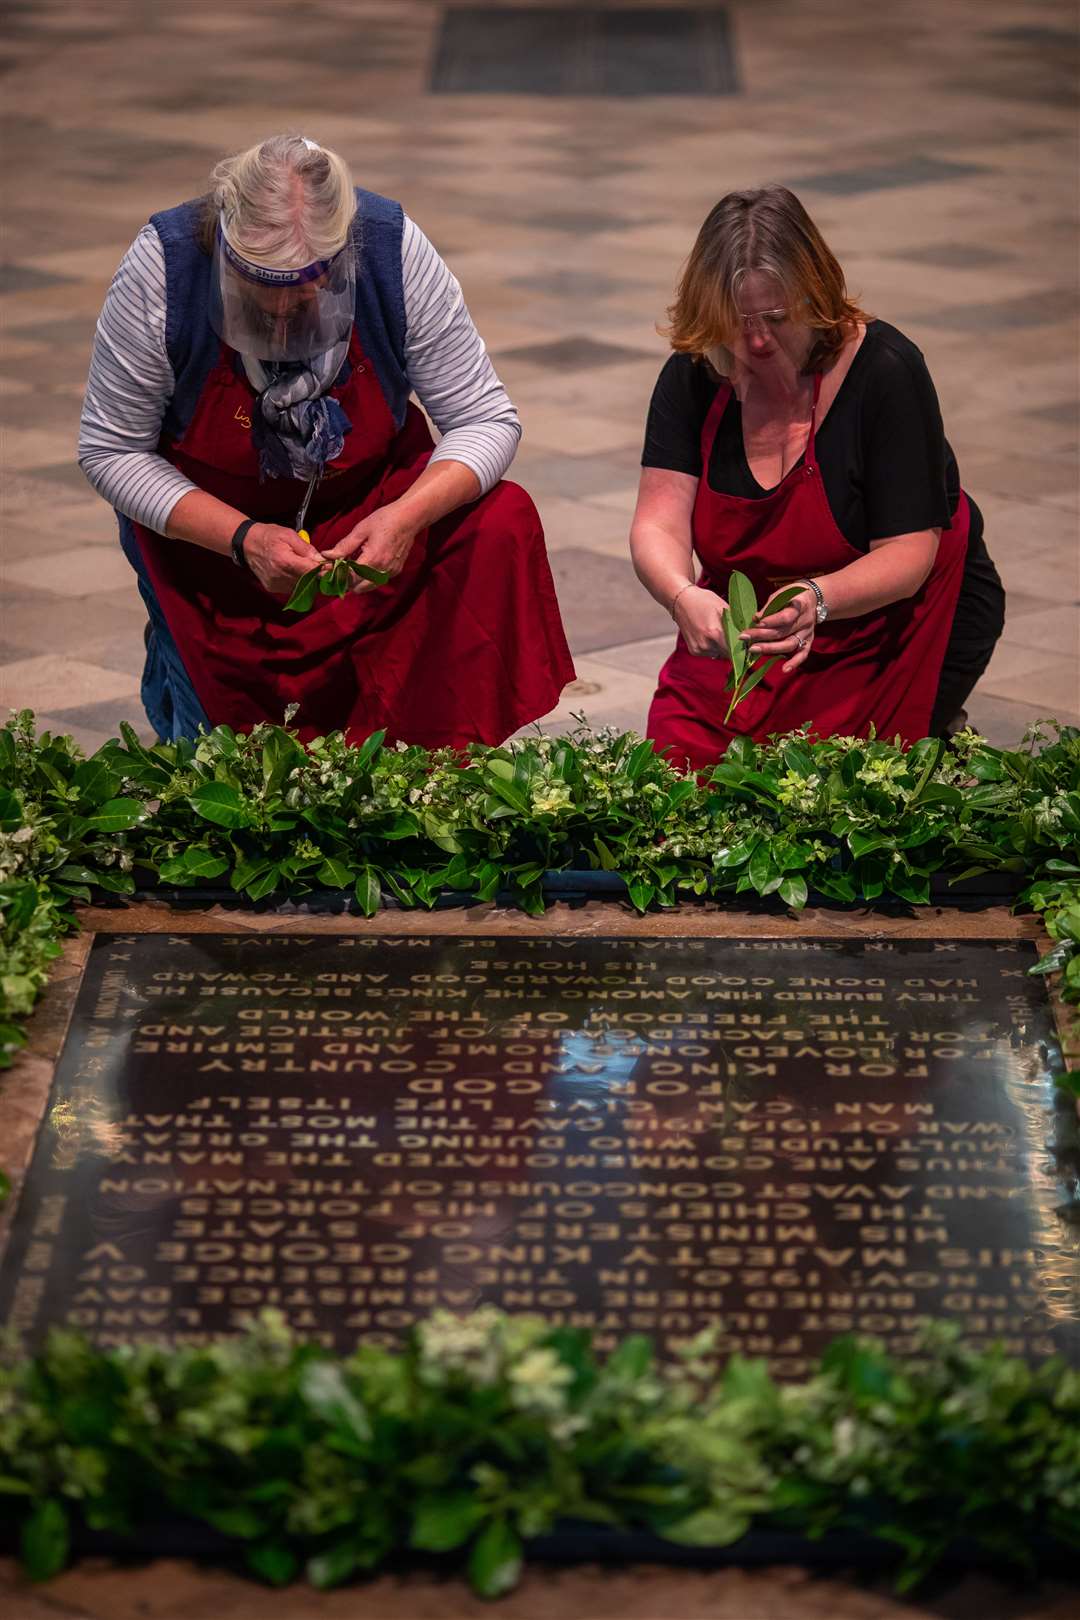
<point x="764" y="317"/>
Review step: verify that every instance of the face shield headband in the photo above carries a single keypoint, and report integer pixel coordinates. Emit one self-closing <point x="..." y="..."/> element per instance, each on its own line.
<point x="281" y="315"/>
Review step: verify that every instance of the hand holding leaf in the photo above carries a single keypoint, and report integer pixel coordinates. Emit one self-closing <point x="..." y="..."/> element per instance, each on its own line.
<point x="739" y="615"/>
<point x="332" y="580"/>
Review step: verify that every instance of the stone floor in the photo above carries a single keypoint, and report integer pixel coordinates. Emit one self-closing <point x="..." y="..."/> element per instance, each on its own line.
<point x="936" y="146"/>
<point x="97" y="1590"/>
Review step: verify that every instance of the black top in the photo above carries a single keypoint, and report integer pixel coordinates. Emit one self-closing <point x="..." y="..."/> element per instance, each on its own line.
<point x="885" y="463"/>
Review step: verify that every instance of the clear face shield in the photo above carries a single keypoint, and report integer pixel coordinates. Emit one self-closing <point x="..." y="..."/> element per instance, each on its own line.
<point x="281" y="315"/>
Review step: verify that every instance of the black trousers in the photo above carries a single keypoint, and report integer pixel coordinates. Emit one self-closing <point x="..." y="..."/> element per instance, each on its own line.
<point x="977" y="625"/>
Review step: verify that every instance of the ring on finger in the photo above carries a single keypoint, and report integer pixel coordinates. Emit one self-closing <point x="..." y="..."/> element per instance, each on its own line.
<point x="800" y="642"/>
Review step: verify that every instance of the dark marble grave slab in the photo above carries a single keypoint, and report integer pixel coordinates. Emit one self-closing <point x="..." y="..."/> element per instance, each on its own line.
<point x="795" y="1138"/>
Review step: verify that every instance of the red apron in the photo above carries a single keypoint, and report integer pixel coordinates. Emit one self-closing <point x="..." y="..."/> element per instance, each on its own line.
<point x="466" y="645"/>
<point x="880" y="670"/>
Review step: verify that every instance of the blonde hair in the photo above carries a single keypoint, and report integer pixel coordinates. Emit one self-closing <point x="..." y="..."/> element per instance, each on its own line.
<point x="765" y="230"/>
<point x="284" y="202"/>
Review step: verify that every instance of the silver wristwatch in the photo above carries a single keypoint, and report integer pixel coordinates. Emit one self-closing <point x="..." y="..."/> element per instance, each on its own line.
<point x="822" y="605"/>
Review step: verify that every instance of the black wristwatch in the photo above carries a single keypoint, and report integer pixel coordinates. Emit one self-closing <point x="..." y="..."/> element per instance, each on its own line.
<point x="237" y="544"/>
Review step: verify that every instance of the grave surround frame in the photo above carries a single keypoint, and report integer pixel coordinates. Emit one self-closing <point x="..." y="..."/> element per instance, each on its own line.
<point x="27" y="1090"/>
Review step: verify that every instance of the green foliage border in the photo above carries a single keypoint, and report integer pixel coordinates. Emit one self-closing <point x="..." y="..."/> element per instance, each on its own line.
<point x="488" y="1431"/>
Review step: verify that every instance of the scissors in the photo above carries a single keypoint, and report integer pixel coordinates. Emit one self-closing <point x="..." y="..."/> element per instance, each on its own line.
<point x="305" y="503"/>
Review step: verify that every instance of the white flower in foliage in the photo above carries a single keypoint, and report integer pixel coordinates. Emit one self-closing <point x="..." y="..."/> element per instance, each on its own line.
<point x="565" y="1429"/>
<point x="468" y="1347"/>
<point x="538" y="1383"/>
<point x="1049" y="812"/>
<point x="548" y="798"/>
<point x="798" y="792"/>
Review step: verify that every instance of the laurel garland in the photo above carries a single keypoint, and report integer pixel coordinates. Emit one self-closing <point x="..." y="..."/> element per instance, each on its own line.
<point x="488" y="1431"/>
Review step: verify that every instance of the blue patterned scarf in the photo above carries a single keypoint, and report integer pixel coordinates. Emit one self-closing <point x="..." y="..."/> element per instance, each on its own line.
<point x="297" y="430"/>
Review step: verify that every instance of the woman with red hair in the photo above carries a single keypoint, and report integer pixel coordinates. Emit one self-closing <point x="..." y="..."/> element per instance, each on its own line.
<point x="797" y="439"/>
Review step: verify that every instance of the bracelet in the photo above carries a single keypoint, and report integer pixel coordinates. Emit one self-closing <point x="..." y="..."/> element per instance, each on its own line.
<point x="822" y="605"/>
<point x="236" y="544"/>
<point x="687" y="587"/>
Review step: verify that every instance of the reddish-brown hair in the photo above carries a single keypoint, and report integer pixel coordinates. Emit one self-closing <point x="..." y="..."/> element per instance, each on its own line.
<point x="767" y="230"/>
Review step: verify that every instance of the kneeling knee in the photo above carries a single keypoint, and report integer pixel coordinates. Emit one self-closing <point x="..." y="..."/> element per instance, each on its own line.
<point x="514" y="509"/>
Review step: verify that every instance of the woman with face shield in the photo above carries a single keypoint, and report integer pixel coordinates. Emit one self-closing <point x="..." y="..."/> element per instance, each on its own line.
<point x="251" y="379"/>
<point x="798" y="440"/>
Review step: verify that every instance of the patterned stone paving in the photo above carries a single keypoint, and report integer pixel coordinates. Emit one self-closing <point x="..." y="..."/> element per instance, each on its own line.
<point x="936" y="147"/>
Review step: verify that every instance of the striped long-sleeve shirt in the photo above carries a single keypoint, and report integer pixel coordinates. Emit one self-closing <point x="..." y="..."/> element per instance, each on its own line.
<point x="131" y="380"/>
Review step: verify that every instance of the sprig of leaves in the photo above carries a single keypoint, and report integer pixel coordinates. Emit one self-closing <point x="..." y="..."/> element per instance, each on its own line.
<point x="1057" y="896"/>
<point x="741" y="614"/>
<point x="484" y="1432"/>
<point x="331" y="579"/>
<point x="32" y="924"/>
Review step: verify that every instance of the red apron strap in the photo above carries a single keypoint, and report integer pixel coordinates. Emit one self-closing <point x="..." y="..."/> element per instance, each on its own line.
<point x="712" y="421"/>
<point x="810" y="453"/>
